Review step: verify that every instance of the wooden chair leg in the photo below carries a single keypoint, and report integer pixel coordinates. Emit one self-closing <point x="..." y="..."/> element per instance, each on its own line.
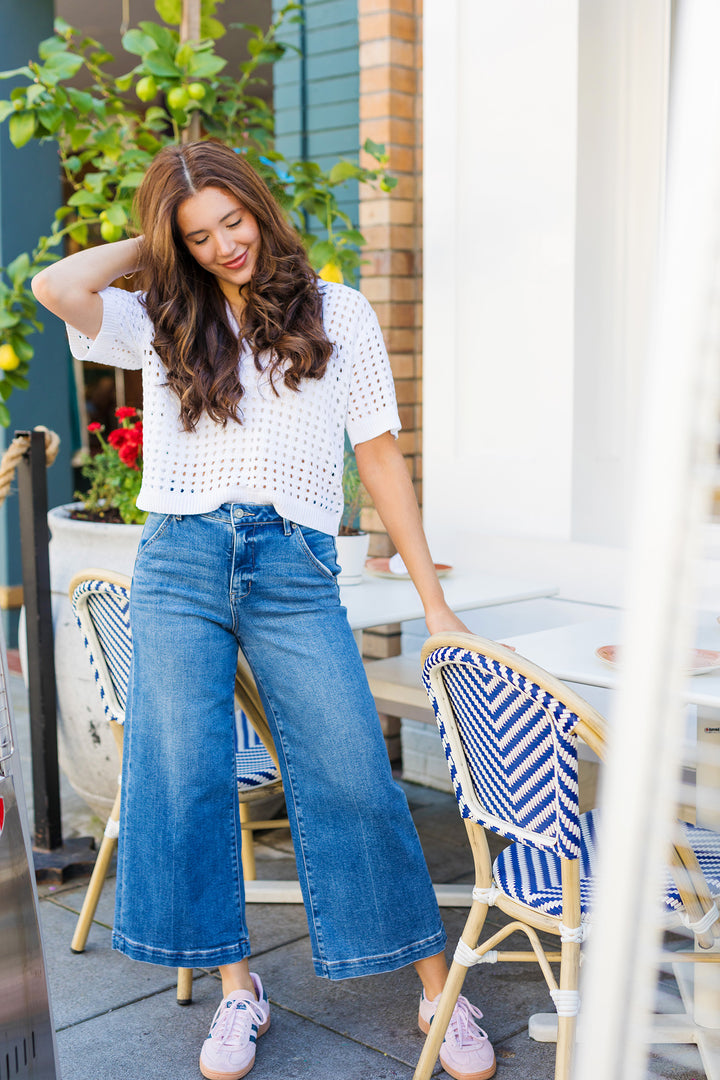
<point x="449" y="996"/>
<point x="97" y="880"/>
<point x="247" y="853"/>
<point x="569" y="968"/>
<point x="184" y="986"/>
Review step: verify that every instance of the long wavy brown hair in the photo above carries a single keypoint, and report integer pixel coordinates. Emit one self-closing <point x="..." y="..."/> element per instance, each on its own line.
<point x="282" y="317"/>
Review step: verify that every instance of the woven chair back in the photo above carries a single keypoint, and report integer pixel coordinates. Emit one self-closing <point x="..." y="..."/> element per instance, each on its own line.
<point x="510" y="749"/>
<point x="102" y="611"/>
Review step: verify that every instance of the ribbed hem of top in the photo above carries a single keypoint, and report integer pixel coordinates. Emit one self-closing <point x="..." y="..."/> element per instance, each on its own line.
<point x="375" y="425"/>
<point x="312" y="517"/>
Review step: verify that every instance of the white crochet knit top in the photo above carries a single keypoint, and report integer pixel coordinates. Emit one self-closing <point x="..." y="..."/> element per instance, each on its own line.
<point x="289" y="448"/>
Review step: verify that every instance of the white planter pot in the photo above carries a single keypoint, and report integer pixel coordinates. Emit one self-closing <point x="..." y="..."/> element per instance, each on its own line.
<point x="86" y="748"/>
<point x="351" y="553"/>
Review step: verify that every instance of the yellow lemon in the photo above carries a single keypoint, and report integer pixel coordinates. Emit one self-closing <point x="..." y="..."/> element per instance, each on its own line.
<point x="331" y="272"/>
<point x="9" y="359"/>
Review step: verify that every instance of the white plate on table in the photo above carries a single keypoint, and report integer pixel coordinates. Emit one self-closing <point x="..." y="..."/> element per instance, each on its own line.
<point x="702" y="661"/>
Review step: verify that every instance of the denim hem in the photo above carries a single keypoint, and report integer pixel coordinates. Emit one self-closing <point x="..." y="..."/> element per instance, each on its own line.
<point x="376" y="965"/>
<point x="229" y="954"/>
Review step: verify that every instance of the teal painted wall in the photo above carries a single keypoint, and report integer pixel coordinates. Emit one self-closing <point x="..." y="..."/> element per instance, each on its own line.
<point x="316" y="96"/>
<point x="29" y="195"/>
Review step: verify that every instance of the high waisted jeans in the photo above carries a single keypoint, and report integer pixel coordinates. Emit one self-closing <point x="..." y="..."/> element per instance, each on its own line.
<point x="202" y="585"/>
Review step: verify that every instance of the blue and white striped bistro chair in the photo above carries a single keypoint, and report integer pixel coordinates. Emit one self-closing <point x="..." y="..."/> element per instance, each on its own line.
<point x="101" y="604"/>
<point x="509" y="731"/>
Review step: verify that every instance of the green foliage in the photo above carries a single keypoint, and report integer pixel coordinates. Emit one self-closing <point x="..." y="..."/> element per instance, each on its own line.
<point x="354" y="494"/>
<point x="108" y="134"/>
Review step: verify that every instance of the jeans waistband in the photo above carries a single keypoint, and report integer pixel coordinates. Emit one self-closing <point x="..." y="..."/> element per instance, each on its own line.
<point x="255" y="513"/>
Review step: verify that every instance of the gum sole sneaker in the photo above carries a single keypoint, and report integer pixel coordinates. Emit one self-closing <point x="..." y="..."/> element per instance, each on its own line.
<point x="229" y="1050"/>
<point x="466" y="1053"/>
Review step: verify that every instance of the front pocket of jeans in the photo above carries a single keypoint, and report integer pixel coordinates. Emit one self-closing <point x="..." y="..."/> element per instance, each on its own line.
<point x="326" y="544"/>
<point x="155" y="525"/>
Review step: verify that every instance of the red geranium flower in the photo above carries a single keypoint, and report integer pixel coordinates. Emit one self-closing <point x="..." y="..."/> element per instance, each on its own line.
<point x="125" y="412"/>
<point x="94" y="426"/>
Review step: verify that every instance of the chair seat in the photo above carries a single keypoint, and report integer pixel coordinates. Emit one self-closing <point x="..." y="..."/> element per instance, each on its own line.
<point x="533" y="877"/>
<point x="254" y="768"/>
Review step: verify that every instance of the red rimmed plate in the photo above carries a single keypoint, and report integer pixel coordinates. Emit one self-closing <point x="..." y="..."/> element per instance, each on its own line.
<point x="381" y="568"/>
<point x="702" y="661"/>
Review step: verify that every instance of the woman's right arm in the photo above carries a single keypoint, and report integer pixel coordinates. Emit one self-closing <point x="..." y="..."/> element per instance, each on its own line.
<point x="69" y="288"/>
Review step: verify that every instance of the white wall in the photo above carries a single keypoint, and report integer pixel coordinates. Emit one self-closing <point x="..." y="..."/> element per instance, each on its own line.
<point x="499" y="208"/>
<point x="544" y="162"/>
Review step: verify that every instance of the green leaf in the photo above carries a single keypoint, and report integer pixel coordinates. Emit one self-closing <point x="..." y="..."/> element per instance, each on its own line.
<point x="124" y="82"/>
<point x="63" y="65"/>
<point x="203" y="65"/>
<point x="51" y="45"/>
<point x="8" y="319"/>
<point x="117" y="214"/>
<point x="22" y="127"/>
<point x="159" y="62"/>
<point x="72" y="165"/>
<point x="51" y="117"/>
<point x="376" y="150"/>
<point x="62" y="26"/>
<point x="6" y="108"/>
<point x="18" y="71"/>
<point x="79" y="233"/>
<point x="155" y="113"/>
<point x="19" y="269"/>
<point x="184" y="54"/>
<point x="34" y="92"/>
<point x="211" y="28"/>
<point x="342" y="171"/>
<point x="22" y="347"/>
<point x="4" y="413"/>
<point x="79" y="137"/>
<point x="170" y="11"/>
<point x="81" y="101"/>
<point x="163" y="38"/>
<point x="321" y="252"/>
<point x="352" y="236"/>
<point x="131" y="180"/>
<point x="137" y="43"/>
<point x="18" y="381"/>
<point x="86" y="198"/>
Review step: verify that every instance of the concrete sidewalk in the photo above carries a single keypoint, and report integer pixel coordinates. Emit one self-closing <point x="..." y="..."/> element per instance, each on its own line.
<point x="117" y="1019"/>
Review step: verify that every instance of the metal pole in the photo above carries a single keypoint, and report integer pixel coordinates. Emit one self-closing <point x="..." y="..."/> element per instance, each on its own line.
<point x="32" y="492"/>
<point x="55" y="861"/>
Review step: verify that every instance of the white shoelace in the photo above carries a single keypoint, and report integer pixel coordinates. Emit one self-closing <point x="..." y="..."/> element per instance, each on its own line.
<point x="234" y="1020"/>
<point x="462" y="1029"/>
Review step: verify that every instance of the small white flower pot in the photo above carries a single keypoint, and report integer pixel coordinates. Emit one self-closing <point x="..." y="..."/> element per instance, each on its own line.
<point x="351" y="553"/>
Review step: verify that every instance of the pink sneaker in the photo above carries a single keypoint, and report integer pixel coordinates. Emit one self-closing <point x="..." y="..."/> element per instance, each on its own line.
<point x="229" y="1050"/>
<point x="466" y="1052"/>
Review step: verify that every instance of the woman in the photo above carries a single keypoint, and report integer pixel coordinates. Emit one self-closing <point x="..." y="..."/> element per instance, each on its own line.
<point x="252" y="371"/>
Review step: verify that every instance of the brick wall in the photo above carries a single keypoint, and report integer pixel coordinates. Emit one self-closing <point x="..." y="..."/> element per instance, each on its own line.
<point x="391" y="113"/>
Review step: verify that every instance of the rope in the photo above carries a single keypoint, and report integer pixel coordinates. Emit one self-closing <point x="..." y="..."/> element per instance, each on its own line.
<point x="17" y="450"/>
<point x="486" y="896"/>
<point x="468" y="957"/>
<point x="704" y="924"/>
<point x="567" y="1002"/>
<point x="572" y="934"/>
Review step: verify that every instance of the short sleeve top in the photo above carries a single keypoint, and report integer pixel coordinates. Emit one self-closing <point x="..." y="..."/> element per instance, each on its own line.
<point x="289" y="445"/>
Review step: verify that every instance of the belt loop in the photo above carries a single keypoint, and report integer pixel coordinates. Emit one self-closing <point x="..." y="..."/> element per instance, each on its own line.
<point x="287" y="526"/>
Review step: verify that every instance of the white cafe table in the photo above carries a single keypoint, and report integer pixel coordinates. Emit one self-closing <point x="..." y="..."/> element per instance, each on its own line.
<point x="569" y="653"/>
<point x="377" y="601"/>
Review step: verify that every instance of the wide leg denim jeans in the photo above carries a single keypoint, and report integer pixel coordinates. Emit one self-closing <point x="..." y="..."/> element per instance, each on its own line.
<point x="202" y="585"/>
